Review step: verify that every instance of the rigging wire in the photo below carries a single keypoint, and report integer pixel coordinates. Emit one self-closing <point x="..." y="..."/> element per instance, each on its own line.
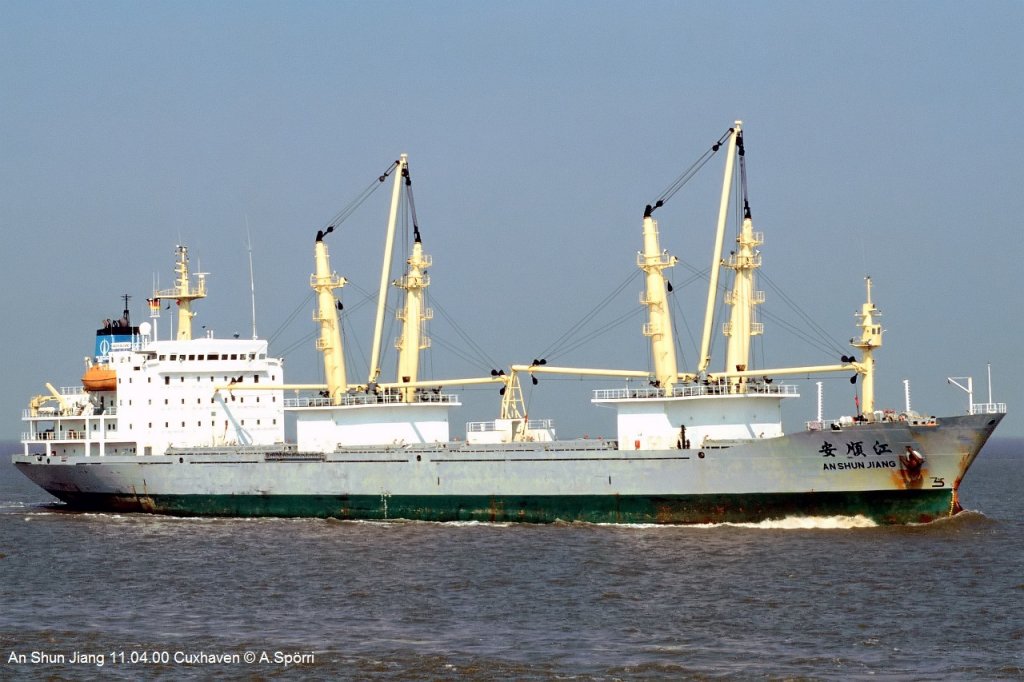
<point x="742" y="153"/>
<point x="481" y="356"/>
<point x="288" y="320"/>
<point x="760" y="347"/>
<point x="555" y="348"/>
<point x="346" y="212"/>
<point x="675" y="329"/>
<point x="815" y="342"/>
<point x="297" y="344"/>
<point x="824" y="340"/>
<point x="364" y="366"/>
<point x="367" y="299"/>
<point x="313" y="334"/>
<point x="412" y="203"/>
<point x="455" y="350"/>
<point x="687" y="175"/>
<point x="600" y="331"/>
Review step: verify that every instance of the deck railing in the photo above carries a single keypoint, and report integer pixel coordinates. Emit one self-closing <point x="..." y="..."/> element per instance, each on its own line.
<point x="483" y="427"/>
<point x="988" y="408"/>
<point x="696" y="391"/>
<point x="372" y="399"/>
<point x="66" y="434"/>
<point x="45" y="413"/>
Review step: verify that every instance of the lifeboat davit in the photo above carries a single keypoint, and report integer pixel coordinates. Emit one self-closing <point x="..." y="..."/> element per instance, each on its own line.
<point x="99" y="378"/>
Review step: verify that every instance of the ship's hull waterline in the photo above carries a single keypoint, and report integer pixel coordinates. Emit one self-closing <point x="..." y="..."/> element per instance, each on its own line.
<point x="846" y="472"/>
<point x="888" y="507"/>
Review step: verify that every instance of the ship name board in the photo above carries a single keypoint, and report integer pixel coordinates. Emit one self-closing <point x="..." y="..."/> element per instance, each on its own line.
<point x="870" y="464"/>
<point x="859" y="456"/>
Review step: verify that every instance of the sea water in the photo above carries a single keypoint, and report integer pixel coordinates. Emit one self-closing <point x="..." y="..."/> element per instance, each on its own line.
<point x="131" y="596"/>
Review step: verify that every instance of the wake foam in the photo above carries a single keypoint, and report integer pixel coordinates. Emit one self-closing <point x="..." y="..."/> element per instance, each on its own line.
<point x="810" y="522"/>
<point x="787" y="523"/>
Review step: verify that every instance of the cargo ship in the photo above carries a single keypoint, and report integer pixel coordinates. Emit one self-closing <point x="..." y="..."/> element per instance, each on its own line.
<point x="196" y="426"/>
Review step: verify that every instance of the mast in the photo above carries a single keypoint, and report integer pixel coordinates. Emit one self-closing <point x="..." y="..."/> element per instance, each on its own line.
<point x="385" y="274"/>
<point x="413" y="316"/>
<point x="716" y="259"/>
<point x="870" y="338"/>
<point x="324" y="282"/>
<point x="252" y="278"/>
<point x="184" y="293"/>
<point x="154" y="315"/>
<point x="743" y="297"/>
<point x="653" y="260"/>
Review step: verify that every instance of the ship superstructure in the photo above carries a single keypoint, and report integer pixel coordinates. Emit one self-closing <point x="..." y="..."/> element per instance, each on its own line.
<point x="141" y="395"/>
<point x="694" y="446"/>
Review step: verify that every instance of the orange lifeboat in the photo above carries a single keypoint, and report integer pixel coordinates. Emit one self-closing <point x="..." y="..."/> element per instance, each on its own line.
<point x="99" y="378"/>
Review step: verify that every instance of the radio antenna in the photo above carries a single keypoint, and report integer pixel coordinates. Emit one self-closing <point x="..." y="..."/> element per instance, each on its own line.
<point x="252" y="277"/>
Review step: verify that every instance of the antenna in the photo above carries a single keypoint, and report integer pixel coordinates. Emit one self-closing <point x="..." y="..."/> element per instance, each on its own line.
<point x="821" y="402"/>
<point x="252" y="278"/>
<point x="990" y="383"/>
<point x="154" y="307"/>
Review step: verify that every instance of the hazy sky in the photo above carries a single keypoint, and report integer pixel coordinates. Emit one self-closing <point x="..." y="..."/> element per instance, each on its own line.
<point x="881" y="139"/>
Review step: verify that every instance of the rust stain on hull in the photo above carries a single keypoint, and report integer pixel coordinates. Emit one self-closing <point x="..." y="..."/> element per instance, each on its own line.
<point x="496" y="510"/>
<point x="143" y="502"/>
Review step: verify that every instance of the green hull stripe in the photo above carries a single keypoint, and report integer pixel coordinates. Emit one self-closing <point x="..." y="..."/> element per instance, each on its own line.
<point x="887" y="507"/>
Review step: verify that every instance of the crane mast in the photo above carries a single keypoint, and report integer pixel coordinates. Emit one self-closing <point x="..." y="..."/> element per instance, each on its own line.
<point x="413" y="316"/>
<point x="324" y="282"/>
